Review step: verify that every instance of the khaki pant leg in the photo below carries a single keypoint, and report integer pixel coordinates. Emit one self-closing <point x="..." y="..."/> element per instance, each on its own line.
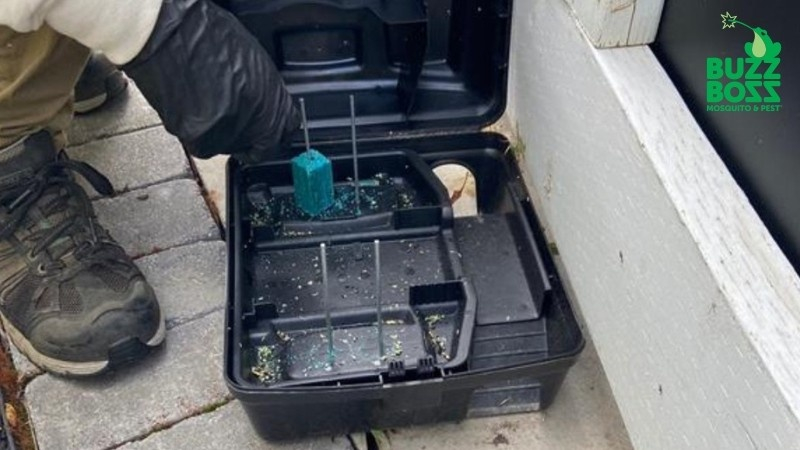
<point x="38" y="72"/>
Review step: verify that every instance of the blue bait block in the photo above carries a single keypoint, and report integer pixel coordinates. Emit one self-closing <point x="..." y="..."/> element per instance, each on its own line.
<point x="313" y="182"/>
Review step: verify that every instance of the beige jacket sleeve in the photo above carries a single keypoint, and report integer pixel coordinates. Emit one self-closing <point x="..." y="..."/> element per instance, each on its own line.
<point x="118" y="28"/>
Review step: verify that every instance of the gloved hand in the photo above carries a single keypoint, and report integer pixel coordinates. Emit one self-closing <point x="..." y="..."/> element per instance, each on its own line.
<point x="213" y="84"/>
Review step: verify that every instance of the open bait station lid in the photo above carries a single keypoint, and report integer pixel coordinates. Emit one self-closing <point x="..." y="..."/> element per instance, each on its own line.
<point x="413" y="66"/>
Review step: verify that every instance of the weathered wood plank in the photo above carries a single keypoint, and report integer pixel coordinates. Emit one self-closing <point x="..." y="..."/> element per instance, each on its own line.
<point x="618" y="23"/>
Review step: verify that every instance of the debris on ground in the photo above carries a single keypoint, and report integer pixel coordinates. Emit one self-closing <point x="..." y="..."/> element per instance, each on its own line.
<point x="15" y="412"/>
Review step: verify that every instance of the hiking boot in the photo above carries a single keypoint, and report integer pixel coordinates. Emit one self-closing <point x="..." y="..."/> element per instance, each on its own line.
<point x="99" y="82"/>
<point x="70" y="297"/>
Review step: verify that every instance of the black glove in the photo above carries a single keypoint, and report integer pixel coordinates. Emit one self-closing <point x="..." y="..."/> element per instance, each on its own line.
<point x="212" y="83"/>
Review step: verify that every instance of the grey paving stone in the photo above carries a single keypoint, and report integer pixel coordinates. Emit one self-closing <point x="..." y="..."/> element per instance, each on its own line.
<point x="25" y="368"/>
<point x="158" y="217"/>
<point x="583" y="416"/>
<point x="189" y="281"/>
<point x="135" y="160"/>
<point x="212" y="172"/>
<point x="177" y="382"/>
<point x="226" y="428"/>
<point x="128" y="112"/>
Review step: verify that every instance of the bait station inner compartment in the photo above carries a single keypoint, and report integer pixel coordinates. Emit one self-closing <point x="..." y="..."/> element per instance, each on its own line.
<point x="389" y="311"/>
<point x="301" y="329"/>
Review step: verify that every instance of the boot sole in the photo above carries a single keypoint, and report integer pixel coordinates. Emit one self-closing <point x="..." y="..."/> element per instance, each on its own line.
<point x="115" y="84"/>
<point x="123" y="352"/>
<point x="89" y="105"/>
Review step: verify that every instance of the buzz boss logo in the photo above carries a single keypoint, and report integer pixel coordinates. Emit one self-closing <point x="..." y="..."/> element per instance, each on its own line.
<point x="745" y="84"/>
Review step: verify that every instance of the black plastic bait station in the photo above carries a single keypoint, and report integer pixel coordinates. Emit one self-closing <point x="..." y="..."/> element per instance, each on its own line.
<point x="382" y="310"/>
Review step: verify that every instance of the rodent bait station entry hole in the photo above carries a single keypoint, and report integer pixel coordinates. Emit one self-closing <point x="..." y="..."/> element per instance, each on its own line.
<point x="460" y="184"/>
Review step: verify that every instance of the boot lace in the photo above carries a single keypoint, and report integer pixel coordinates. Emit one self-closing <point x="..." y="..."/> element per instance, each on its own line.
<point x="54" y="179"/>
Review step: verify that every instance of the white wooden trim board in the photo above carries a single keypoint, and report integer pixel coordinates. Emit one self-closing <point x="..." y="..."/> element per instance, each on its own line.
<point x="618" y="23"/>
<point x="694" y="310"/>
